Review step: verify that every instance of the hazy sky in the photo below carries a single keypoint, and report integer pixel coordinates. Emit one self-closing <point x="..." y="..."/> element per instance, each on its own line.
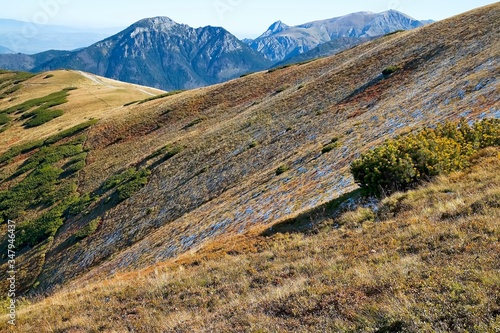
<point x="244" y="18"/>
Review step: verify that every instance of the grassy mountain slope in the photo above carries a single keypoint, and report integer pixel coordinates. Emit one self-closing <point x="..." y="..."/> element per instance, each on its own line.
<point x="427" y="261"/>
<point x="94" y="97"/>
<point x="165" y="176"/>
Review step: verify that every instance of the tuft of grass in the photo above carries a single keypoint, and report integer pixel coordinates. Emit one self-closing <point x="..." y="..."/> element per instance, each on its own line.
<point x="171" y="93"/>
<point x="390" y="70"/>
<point x="334" y="144"/>
<point x="282" y="169"/>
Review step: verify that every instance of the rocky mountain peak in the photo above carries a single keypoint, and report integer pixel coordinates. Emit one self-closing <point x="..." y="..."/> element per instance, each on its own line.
<point x="159" y="23"/>
<point x="275" y="28"/>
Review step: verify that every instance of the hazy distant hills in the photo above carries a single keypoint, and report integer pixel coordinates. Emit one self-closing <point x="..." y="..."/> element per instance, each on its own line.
<point x="4" y="50"/>
<point x="161" y="53"/>
<point x="29" y="38"/>
<point x="281" y="41"/>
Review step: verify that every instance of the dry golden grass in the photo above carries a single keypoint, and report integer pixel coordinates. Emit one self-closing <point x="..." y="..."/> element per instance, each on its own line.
<point x="96" y="97"/>
<point x="427" y="261"/>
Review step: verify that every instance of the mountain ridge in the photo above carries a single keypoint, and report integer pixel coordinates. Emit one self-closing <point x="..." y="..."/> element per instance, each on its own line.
<point x="162" y="53"/>
<point x="292" y="41"/>
<point x="159" y="52"/>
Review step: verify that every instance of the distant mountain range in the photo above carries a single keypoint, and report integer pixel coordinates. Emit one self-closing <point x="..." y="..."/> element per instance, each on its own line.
<point x="30" y="38"/>
<point x="161" y="53"/>
<point x="281" y="41"/>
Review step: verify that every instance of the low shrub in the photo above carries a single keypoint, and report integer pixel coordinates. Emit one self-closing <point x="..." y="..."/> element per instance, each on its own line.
<point x="331" y="146"/>
<point x="42" y="116"/>
<point x="88" y="230"/>
<point x="127" y="182"/>
<point x="128" y="189"/>
<point x="172" y="93"/>
<point x="390" y="70"/>
<point x="4" y="119"/>
<point x="403" y="162"/>
<point x="194" y="123"/>
<point x="282" y="169"/>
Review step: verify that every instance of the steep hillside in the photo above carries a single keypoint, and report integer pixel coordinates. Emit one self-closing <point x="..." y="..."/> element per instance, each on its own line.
<point x="156" y="52"/>
<point x="425" y="261"/>
<point x="158" y="178"/>
<point x="281" y="41"/>
<point x="326" y="49"/>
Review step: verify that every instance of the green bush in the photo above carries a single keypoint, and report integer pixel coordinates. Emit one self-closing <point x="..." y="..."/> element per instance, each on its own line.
<point x="282" y="169"/>
<point x="80" y="205"/>
<point x="169" y="150"/>
<point x="331" y="146"/>
<point x="401" y="163"/>
<point x="70" y="132"/>
<point x="118" y="179"/>
<point x="390" y="70"/>
<point x="88" y="230"/>
<point x="194" y="123"/>
<point x="43" y="116"/>
<point x="29" y="146"/>
<point x="127" y="182"/>
<point x="46" y="102"/>
<point x="4" y="119"/>
<point x="33" y="190"/>
<point x="128" y="189"/>
<point x="75" y="167"/>
<point x="172" y="93"/>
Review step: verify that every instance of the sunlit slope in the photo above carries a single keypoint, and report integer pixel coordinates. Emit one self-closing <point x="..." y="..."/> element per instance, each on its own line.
<point x="236" y="135"/>
<point x="94" y="97"/>
<point x="162" y="177"/>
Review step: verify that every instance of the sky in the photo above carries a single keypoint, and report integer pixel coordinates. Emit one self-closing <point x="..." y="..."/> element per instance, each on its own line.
<point x="243" y="18"/>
